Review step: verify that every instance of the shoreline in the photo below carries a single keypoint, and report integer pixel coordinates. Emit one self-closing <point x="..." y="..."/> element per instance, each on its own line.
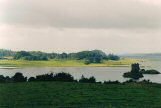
<point x="8" y="67"/>
<point x="126" y="62"/>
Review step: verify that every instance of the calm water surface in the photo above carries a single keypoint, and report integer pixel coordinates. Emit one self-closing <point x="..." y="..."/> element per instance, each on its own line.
<point x="100" y="73"/>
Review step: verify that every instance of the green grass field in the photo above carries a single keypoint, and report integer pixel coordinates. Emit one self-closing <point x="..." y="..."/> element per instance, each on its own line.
<point x="65" y="63"/>
<point x="79" y="95"/>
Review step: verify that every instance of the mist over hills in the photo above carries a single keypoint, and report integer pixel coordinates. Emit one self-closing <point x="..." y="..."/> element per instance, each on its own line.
<point x="153" y="56"/>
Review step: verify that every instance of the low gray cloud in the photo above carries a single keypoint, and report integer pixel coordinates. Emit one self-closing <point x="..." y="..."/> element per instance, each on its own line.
<point x="76" y="39"/>
<point x="83" y="13"/>
<point x="115" y="26"/>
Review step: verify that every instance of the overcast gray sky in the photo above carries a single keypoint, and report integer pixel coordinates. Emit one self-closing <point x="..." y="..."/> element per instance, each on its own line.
<point x="115" y="26"/>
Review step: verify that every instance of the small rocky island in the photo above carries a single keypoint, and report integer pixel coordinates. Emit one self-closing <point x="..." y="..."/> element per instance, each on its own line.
<point x="137" y="73"/>
<point x="134" y="73"/>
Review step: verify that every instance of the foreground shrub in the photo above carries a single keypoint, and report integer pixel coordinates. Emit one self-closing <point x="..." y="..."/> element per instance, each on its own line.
<point x="2" y="79"/>
<point x="111" y="82"/>
<point x="139" y="82"/>
<point x="45" y="77"/>
<point x="18" y="77"/>
<point x="146" y="81"/>
<point x="63" y="77"/>
<point x="87" y="80"/>
<point x="129" y="81"/>
<point x="31" y="79"/>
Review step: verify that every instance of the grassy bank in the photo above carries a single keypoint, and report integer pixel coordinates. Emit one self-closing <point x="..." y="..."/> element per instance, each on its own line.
<point x="59" y="94"/>
<point x="65" y="63"/>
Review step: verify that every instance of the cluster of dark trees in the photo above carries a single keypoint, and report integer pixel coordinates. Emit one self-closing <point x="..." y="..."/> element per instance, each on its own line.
<point x="87" y="80"/>
<point x="65" y="77"/>
<point x="18" y="77"/>
<point x="137" y="73"/>
<point x="95" y="56"/>
<point x="31" y="55"/>
<point x="60" y="77"/>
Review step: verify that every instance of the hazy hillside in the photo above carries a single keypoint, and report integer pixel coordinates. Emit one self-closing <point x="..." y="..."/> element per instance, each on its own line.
<point x="150" y="56"/>
<point x="5" y="53"/>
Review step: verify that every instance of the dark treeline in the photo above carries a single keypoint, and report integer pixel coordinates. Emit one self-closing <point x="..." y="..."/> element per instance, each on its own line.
<point x="87" y="80"/>
<point x="64" y="77"/>
<point x="95" y="56"/>
<point x="34" y="55"/>
<point x="60" y="77"/>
